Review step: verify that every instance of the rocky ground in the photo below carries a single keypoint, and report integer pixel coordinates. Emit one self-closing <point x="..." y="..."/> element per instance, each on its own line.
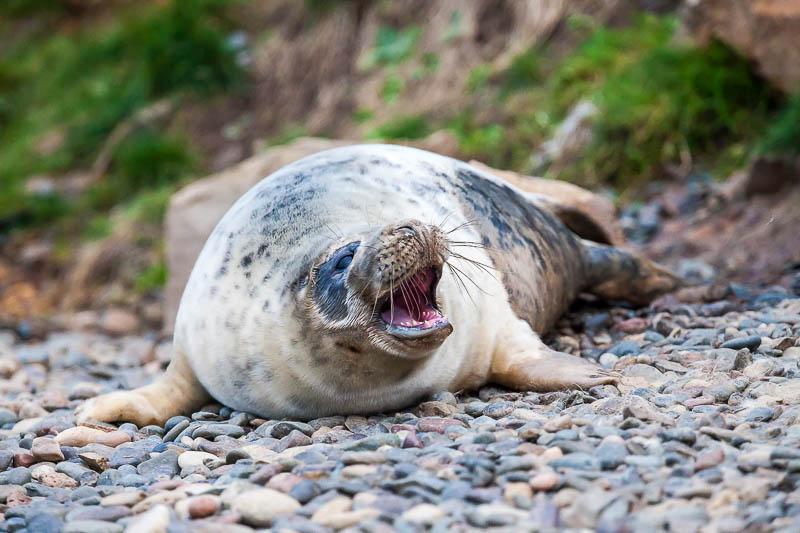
<point x="702" y="434"/>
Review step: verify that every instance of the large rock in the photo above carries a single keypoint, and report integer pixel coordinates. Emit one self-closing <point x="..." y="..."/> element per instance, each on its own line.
<point x="766" y="31"/>
<point x="195" y="210"/>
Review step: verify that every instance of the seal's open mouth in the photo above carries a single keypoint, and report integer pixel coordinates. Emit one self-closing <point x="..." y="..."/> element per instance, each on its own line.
<point x="414" y="310"/>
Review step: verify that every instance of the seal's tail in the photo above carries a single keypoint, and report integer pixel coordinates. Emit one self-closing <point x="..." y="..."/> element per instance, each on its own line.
<point x="615" y="274"/>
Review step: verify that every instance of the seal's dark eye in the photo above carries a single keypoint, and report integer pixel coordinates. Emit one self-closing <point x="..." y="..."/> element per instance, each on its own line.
<point x="344" y="262"/>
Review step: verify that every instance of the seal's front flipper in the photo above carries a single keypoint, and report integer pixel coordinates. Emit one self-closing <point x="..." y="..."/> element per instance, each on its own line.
<point x="522" y="361"/>
<point x="615" y="274"/>
<point x="176" y="392"/>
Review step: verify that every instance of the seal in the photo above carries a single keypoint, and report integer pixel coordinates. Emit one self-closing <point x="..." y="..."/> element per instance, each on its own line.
<point x="363" y="279"/>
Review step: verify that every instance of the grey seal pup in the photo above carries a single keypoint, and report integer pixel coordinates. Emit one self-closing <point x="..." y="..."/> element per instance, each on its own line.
<point x="365" y="278"/>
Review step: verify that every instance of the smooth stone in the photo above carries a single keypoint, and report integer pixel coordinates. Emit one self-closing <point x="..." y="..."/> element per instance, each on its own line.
<point x="131" y="454"/>
<point x="46" y="449"/>
<point x="127" y="498"/>
<point x="154" y="520"/>
<point x="437" y="425"/>
<point x="165" y="464"/>
<point x="202" y="506"/>
<point x="423" y="513"/>
<point x="179" y="427"/>
<point x="110" y="513"/>
<point x="294" y="439"/>
<point x="282" y="429"/>
<point x="578" y="461"/>
<point x="625" y="348"/>
<point x="174" y="421"/>
<point x="611" y="452"/>
<point x="752" y="343"/>
<point x="258" y="507"/>
<point x="91" y="526"/>
<point x="45" y="523"/>
<point x="498" y="409"/>
<point x="7" y="416"/>
<point x="193" y="459"/>
<point x="372" y="443"/>
<point x="211" y="431"/>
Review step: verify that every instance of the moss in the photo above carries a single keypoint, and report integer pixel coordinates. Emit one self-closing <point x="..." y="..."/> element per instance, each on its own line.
<point x="403" y="127"/>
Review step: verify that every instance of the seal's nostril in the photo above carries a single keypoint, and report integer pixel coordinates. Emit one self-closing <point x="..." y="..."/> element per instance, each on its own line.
<point x="408" y="231"/>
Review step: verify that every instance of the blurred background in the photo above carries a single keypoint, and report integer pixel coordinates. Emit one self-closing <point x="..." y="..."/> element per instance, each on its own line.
<point x="685" y="113"/>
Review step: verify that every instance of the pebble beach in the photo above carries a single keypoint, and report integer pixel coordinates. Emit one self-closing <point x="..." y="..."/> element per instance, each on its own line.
<point x="702" y="434"/>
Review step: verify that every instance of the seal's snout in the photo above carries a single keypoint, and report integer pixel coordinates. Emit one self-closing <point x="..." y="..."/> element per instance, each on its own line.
<point x="406" y="262"/>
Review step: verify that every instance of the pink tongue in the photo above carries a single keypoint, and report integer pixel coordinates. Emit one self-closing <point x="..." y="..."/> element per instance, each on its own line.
<point x="399" y="318"/>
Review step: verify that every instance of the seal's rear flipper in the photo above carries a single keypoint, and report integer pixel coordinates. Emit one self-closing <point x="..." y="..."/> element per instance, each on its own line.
<point x="176" y="392"/>
<point x="615" y="274"/>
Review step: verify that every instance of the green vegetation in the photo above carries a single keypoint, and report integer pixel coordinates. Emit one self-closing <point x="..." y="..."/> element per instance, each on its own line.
<point x="392" y="46"/>
<point x="88" y="82"/>
<point x="392" y="88"/>
<point x="288" y="134"/>
<point x="659" y="102"/>
<point x="363" y="115"/>
<point x="482" y="142"/>
<point x="151" y="205"/>
<point x="525" y="72"/>
<point x="478" y="78"/>
<point x="151" y="279"/>
<point x="403" y="127"/>
<point x="783" y="135"/>
<point x="98" y="228"/>
<point x="454" y="26"/>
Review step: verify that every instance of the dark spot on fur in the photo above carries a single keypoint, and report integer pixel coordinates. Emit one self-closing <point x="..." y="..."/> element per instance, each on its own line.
<point x="238" y="384"/>
<point x="246" y="260"/>
<point x="265" y="306"/>
<point x="541" y="262"/>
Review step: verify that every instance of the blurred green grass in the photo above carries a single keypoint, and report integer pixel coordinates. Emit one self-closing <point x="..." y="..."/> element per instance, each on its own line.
<point x="87" y="82"/>
<point x="658" y="99"/>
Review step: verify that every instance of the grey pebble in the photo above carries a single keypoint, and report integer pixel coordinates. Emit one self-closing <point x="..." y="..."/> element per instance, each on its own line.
<point x="752" y="343"/>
